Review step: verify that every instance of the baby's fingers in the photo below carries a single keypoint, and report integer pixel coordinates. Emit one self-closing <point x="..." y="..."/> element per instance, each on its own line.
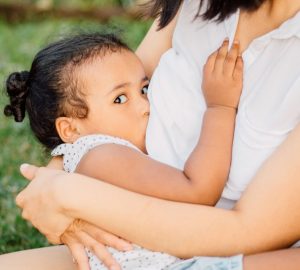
<point x="231" y="58"/>
<point x="238" y="69"/>
<point x="210" y="63"/>
<point x="221" y="56"/>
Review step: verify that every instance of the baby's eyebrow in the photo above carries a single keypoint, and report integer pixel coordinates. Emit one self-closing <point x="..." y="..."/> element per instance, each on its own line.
<point x="122" y="85"/>
<point x="145" y="79"/>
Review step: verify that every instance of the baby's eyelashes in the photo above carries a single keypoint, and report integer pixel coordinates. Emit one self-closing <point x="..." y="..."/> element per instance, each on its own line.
<point x="121" y="99"/>
<point x="145" y="89"/>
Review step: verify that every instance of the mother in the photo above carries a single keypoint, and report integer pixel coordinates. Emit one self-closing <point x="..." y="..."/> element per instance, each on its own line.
<point x="266" y="217"/>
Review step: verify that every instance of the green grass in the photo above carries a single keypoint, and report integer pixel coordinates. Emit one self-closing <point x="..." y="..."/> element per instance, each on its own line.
<point x="18" y="44"/>
<point x="70" y="3"/>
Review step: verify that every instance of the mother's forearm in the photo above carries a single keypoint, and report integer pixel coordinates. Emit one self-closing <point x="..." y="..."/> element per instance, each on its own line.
<point x="181" y="229"/>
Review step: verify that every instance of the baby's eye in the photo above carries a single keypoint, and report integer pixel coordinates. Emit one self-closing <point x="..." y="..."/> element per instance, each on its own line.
<point x="121" y="99"/>
<point x="145" y="90"/>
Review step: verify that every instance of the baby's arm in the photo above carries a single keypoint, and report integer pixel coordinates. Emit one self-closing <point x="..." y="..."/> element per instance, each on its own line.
<point x="200" y="182"/>
<point x="208" y="165"/>
<point x="55" y="163"/>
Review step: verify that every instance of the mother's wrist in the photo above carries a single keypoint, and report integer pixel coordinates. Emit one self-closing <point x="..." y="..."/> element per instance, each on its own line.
<point x="63" y="192"/>
<point x="71" y="193"/>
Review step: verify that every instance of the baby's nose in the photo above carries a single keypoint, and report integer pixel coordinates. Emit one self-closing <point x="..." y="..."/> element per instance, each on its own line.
<point x="144" y="107"/>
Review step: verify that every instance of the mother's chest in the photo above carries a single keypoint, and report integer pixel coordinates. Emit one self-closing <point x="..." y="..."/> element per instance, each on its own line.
<point x="270" y="100"/>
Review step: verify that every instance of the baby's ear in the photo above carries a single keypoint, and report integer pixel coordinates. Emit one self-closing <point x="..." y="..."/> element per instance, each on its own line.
<point x="67" y="129"/>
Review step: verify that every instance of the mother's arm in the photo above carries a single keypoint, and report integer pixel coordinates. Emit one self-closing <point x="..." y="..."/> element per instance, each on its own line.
<point x="266" y="217"/>
<point x="155" y="43"/>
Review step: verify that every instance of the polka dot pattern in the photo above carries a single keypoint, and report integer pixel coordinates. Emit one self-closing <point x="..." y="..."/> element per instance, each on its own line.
<point x="73" y="152"/>
<point x="138" y="258"/>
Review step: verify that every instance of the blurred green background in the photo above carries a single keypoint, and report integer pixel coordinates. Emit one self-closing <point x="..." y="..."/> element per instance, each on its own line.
<point x="19" y="42"/>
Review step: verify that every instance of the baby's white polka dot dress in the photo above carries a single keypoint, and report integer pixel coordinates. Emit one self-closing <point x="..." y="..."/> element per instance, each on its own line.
<point x="138" y="258"/>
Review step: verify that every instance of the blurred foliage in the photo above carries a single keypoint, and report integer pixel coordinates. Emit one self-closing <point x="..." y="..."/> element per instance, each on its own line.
<point x="83" y="4"/>
<point x="18" y="44"/>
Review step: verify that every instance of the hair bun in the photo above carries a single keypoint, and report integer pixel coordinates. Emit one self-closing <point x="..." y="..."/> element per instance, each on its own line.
<point x="17" y="90"/>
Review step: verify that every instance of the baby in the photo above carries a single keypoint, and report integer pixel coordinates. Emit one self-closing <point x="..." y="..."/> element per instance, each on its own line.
<point x="86" y="98"/>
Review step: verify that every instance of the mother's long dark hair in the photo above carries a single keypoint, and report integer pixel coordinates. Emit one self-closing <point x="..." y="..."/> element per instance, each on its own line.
<point x="165" y="10"/>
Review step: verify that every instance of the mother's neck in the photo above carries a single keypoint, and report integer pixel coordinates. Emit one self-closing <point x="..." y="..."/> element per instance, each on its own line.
<point x="268" y="17"/>
<point x="278" y="11"/>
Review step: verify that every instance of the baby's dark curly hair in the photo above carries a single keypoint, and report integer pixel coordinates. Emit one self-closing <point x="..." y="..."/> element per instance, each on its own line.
<point x="51" y="88"/>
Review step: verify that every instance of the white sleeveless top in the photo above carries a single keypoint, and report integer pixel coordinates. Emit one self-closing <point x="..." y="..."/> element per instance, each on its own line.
<point x="73" y="152"/>
<point x="269" y="106"/>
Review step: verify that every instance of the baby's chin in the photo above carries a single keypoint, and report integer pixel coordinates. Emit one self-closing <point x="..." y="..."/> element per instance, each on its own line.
<point x="143" y="149"/>
<point x="143" y="145"/>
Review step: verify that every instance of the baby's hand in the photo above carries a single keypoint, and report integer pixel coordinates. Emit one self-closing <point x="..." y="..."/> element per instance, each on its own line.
<point x="223" y="77"/>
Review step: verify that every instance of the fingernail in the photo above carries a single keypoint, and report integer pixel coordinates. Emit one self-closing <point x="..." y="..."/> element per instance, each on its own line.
<point x="236" y="42"/>
<point x="23" y="167"/>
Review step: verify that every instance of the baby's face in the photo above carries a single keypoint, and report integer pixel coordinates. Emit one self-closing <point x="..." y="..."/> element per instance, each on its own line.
<point x="116" y="95"/>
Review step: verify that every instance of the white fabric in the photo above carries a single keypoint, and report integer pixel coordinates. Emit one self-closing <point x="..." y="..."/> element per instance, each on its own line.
<point x="138" y="258"/>
<point x="269" y="107"/>
<point x="73" y="152"/>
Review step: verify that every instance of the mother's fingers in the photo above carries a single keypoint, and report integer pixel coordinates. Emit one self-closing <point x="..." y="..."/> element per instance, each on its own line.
<point x="106" y="238"/>
<point x="98" y="249"/>
<point x="77" y="250"/>
<point x="53" y="239"/>
<point x="28" y="171"/>
<point x="20" y="201"/>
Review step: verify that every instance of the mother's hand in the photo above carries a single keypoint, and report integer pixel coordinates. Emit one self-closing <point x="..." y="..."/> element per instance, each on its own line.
<point x="39" y="202"/>
<point x="81" y="235"/>
<point x="42" y="207"/>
